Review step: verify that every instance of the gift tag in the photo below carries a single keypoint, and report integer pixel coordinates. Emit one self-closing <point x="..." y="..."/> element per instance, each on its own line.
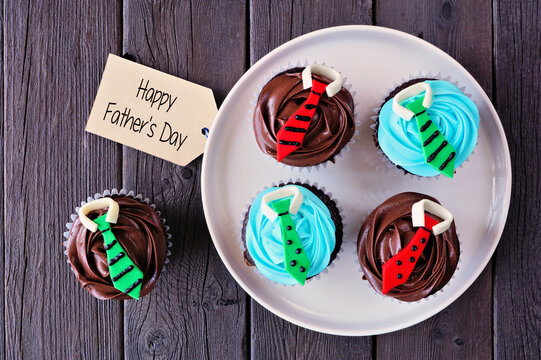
<point x="151" y="111"/>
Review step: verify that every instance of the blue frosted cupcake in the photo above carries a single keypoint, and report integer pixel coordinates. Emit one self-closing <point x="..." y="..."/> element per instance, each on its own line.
<point x="427" y="127"/>
<point x="291" y="233"/>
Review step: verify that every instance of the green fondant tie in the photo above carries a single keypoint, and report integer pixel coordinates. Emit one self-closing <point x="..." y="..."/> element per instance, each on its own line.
<point x="296" y="261"/>
<point x="437" y="151"/>
<point x="126" y="276"/>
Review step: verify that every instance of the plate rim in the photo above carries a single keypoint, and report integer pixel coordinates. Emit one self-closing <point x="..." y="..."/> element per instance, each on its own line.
<point x="499" y="230"/>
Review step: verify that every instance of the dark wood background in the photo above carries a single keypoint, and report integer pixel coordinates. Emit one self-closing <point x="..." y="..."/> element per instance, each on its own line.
<point x="52" y="55"/>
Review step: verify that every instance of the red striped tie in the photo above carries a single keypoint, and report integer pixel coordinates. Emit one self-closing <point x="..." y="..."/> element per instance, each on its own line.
<point x="291" y="135"/>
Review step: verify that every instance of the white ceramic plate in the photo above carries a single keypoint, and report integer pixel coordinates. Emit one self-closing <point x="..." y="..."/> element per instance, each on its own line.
<point x="373" y="60"/>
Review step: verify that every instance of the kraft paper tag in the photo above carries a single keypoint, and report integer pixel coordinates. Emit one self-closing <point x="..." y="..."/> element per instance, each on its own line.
<point x="151" y="111"/>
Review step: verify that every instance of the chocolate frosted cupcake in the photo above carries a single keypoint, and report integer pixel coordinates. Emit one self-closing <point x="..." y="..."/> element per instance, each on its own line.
<point x="427" y="127"/>
<point x="304" y="116"/>
<point x="291" y="232"/>
<point x="405" y="252"/>
<point x="117" y="246"/>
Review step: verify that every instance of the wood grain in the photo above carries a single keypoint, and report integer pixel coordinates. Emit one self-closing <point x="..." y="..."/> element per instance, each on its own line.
<point x="275" y="338"/>
<point x="197" y="311"/>
<point x="271" y="24"/>
<point x="463" y="30"/>
<point x="2" y="322"/>
<point x="51" y="62"/>
<point x="52" y="70"/>
<point x="2" y="329"/>
<point x="517" y="306"/>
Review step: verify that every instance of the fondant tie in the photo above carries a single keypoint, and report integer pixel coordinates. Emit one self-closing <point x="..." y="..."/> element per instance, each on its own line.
<point x="408" y="92"/>
<point x="290" y="137"/>
<point x="125" y="275"/>
<point x="438" y="153"/>
<point x="398" y="269"/>
<point x="296" y="261"/>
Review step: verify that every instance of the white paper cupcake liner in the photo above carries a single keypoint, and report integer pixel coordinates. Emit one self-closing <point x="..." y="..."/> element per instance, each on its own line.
<point x="336" y="157"/>
<point x="386" y="195"/>
<point x="129" y="194"/>
<point x="329" y="268"/>
<point x="384" y="164"/>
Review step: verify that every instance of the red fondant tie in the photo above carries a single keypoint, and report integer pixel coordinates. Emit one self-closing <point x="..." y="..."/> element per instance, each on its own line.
<point x="398" y="269"/>
<point x="291" y="135"/>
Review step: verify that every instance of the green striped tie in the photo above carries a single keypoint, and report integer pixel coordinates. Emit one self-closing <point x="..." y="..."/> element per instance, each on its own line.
<point x="126" y="276"/>
<point x="437" y="151"/>
<point x="296" y="261"/>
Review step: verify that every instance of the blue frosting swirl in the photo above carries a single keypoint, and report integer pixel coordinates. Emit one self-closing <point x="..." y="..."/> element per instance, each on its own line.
<point x="455" y="115"/>
<point x="314" y="226"/>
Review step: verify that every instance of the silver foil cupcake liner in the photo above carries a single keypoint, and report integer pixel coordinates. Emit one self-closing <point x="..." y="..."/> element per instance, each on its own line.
<point x="384" y="195"/>
<point x="335" y="158"/>
<point x="316" y="277"/>
<point x="381" y="162"/>
<point x="129" y="194"/>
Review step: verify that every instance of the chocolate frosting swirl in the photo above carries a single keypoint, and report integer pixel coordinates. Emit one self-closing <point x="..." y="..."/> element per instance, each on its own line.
<point x="330" y="130"/>
<point x="139" y="230"/>
<point x="387" y="230"/>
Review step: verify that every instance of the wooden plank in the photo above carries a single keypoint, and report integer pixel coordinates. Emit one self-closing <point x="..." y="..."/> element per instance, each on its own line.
<point x="461" y="331"/>
<point x="463" y="30"/>
<point x="2" y="237"/>
<point x="197" y="310"/>
<point x="54" y="55"/>
<point x="517" y="327"/>
<point x="275" y="338"/>
<point x="271" y="24"/>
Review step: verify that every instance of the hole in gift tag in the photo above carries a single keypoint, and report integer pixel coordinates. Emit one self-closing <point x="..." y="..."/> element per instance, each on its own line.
<point x="205" y="131"/>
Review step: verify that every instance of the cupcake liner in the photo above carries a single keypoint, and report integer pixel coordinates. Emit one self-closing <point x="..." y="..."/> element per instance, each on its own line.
<point x="384" y="164"/>
<point x="391" y="299"/>
<point x="338" y="254"/>
<point x="129" y="194"/>
<point x="341" y="153"/>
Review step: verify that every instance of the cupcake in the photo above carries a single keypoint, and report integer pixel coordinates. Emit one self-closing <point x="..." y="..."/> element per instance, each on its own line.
<point x="304" y="116"/>
<point x="117" y="246"/>
<point x="291" y="233"/>
<point x="427" y="127"/>
<point x="408" y="247"/>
